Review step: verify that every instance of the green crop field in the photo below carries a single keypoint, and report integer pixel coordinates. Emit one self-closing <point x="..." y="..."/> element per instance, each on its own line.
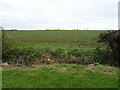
<point x="55" y="39"/>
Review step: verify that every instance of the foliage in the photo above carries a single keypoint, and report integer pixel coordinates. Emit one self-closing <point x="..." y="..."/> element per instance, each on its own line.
<point x="104" y="56"/>
<point x="112" y="39"/>
<point x="6" y="45"/>
<point x="27" y="56"/>
<point x="6" y="41"/>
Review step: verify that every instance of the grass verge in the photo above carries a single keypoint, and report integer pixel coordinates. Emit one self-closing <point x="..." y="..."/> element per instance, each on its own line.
<point x="61" y="76"/>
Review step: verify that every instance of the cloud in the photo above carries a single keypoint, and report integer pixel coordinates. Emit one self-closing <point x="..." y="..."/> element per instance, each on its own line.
<point x="63" y="14"/>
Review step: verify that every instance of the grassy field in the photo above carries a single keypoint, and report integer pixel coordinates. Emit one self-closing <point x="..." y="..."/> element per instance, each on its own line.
<point x="76" y="45"/>
<point x="61" y="76"/>
<point x="55" y="39"/>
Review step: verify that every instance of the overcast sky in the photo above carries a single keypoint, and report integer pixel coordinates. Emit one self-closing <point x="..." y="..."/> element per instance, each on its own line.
<point x="59" y="14"/>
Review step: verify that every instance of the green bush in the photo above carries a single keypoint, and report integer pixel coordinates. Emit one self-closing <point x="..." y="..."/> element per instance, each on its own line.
<point x="104" y="56"/>
<point x="112" y="40"/>
<point x="6" y="40"/>
<point x="6" y="44"/>
<point x="75" y="52"/>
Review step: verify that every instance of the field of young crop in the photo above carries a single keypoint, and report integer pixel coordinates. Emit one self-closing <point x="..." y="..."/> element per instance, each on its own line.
<point x="55" y="39"/>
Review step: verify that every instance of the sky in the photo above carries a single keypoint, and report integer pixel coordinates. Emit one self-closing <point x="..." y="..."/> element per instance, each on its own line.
<point x="59" y="14"/>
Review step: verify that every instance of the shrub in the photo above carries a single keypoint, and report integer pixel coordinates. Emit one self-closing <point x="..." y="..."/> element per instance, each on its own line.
<point x="6" y="41"/>
<point x="112" y="40"/>
<point x="104" y="56"/>
<point x="6" y="44"/>
<point x="75" y="52"/>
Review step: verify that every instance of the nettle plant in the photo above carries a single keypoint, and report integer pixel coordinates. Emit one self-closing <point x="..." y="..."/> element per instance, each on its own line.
<point x="112" y="40"/>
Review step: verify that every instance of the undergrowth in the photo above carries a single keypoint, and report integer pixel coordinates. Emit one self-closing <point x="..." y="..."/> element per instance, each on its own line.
<point x="28" y="57"/>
